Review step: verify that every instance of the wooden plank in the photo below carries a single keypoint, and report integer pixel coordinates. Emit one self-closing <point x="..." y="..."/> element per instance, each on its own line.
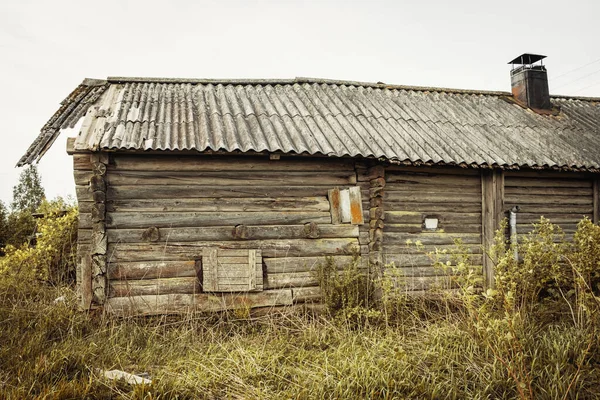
<point x="424" y="260"/>
<point x="551" y="208"/>
<point x="514" y="191"/>
<point x="554" y="218"/>
<point x="204" y="302"/>
<point x="227" y="163"/>
<point x="226" y="178"/>
<point x="301" y="264"/>
<point x="151" y="270"/>
<point x="82" y="162"/>
<point x="210" y="267"/>
<point x="399" y="180"/>
<point x="416" y="217"/>
<point x="402" y="248"/>
<point x="258" y="270"/>
<point x="488" y="229"/>
<point x="178" y="251"/>
<point x="85" y="282"/>
<point x="290" y="279"/>
<point x="533" y="199"/>
<point x="251" y="269"/>
<point x="193" y="234"/>
<point x="427" y="238"/>
<point x="306" y="294"/>
<point x="443" y="227"/>
<point x="192" y="191"/>
<point x="345" y="206"/>
<point x="545" y="174"/>
<point x="139" y="287"/>
<point x="596" y="201"/>
<point x="187" y="219"/>
<point x="334" y="205"/>
<point x="319" y="203"/>
<point x="356" y="210"/>
<point x="428" y="207"/>
<point x="422" y="170"/>
<point x="518" y="181"/>
<point x="433" y="197"/>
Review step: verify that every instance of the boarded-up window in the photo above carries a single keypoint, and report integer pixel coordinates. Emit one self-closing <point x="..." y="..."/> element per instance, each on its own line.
<point x="346" y="206"/>
<point x="225" y="270"/>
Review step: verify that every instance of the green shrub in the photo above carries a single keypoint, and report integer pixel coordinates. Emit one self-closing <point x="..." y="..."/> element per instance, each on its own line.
<point x="53" y="257"/>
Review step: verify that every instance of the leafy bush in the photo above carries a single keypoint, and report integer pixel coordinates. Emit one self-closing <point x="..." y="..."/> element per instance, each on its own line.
<point x="53" y="257"/>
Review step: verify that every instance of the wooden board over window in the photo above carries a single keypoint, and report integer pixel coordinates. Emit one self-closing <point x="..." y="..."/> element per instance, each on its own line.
<point x="346" y="206"/>
<point x="226" y="270"/>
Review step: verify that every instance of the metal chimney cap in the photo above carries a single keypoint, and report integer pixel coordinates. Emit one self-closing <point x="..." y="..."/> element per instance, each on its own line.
<point x="527" y="58"/>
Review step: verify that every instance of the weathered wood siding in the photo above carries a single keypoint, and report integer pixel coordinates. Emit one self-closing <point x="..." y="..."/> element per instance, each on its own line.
<point x="82" y="169"/>
<point x="162" y="211"/>
<point x="453" y="196"/>
<point x="563" y="198"/>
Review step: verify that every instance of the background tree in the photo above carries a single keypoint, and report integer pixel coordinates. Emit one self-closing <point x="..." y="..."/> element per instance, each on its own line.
<point x="28" y="193"/>
<point x="4" y="231"/>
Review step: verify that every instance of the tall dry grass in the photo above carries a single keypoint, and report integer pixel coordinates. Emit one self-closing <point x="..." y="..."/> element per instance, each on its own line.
<point x="476" y="346"/>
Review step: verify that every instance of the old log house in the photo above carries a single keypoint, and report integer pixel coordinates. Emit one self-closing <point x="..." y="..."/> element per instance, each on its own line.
<point x="214" y="194"/>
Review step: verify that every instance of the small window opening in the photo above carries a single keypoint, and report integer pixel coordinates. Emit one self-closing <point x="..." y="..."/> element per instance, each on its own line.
<point x="431" y="223"/>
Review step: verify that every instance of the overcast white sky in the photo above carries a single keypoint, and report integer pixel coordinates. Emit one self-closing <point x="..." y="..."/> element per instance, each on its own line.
<point x="48" y="47"/>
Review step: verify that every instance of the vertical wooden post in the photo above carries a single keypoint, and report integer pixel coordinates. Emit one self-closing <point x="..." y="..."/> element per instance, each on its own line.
<point x="99" y="244"/>
<point x="492" y="213"/>
<point x="596" y="187"/>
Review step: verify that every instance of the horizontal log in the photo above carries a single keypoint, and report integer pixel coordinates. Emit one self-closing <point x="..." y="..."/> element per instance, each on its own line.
<point x="424" y="260"/>
<point x="402" y="248"/>
<point x="428" y="238"/>
<point x="192" y="191"/>
<point x="151" y="270"/>
<point x="417" y="283"/>
<point x="433" y="207"/>
<point x="417" y="217"/>
<point x="301" y="264"/>
<point x="510" y="174"/>
<point x="398" y="180"/>
<point x="82" y="162"/>
<point x="84" y="236"/>
<point x="204" y="302"/>
<point x="82" y="177"/>
<point x="432" y="197"/>
<point x="306" y="294"/>
<point x="513" y="181"/>
<point x="190" y="219"/>
<point x="290" y="279"/>
<point x="193" y="234"/>
<point x="554" y="218"/>
<point x="226" y="163"/>
<point x="274" y="177"/>
<point x="550" y="208"/>
<point x="442" y="227"/>
<point x="547" y="199"/>
<point x="389" y="170"/>
<point x="221" y="204"/>
<point x="551" y="191"/>
<point x="125" y="252"/>
<point x="83" y="193"/>
<point x="140" y="287"/>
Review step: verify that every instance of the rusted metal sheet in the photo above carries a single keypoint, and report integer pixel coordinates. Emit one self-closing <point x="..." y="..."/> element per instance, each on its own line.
<point x="333" y="118"/>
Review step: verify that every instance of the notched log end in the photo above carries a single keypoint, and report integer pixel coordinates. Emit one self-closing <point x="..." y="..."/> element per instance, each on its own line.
<point x="311" y="230"/>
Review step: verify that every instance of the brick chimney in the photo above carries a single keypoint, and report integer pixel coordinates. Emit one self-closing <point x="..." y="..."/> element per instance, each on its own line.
<point x="529" y="82"/>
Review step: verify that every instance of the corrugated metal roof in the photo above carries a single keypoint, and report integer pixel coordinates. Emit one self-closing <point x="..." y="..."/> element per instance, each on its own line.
<point x="333" y="118"/>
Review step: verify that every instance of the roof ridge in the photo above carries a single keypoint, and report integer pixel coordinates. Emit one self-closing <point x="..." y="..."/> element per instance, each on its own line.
<point x="301" y="80"/>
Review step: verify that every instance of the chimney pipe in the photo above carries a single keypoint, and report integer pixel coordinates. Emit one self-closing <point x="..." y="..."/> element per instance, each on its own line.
<point x="529" y="82"/>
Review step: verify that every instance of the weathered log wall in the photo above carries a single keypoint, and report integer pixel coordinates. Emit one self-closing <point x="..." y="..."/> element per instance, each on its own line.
<point x="563" y="198"/>
<point x="453" y="197"/>
<point x="156" y="215"/>
<point x="162" y="211"/>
